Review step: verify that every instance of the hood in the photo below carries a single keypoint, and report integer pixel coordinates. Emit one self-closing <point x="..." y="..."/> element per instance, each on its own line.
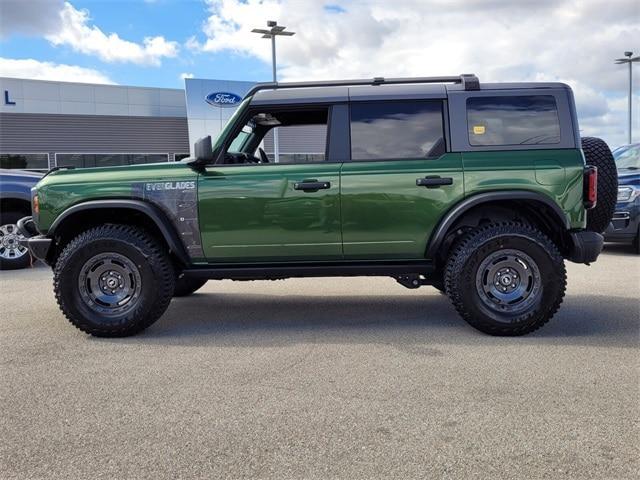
<point x="15" y="174"/>
<point x="118" y="174"/>
<point x="629" y="177"/>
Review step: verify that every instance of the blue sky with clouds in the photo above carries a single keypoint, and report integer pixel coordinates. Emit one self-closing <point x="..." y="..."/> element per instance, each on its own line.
<point x="157" y="42"/>
<point x="176" y="20"/>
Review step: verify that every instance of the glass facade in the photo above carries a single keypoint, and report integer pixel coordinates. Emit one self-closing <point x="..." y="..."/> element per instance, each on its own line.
<point x="88" y="160"/>
<point x="30" y="161"/>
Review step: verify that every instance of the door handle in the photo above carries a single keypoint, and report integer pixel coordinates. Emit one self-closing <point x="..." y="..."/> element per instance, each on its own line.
<point x="311" y="185"/>
<point x="433" y="181"/>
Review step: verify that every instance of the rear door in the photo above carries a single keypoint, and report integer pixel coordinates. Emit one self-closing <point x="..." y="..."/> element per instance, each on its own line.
<point x="401" y="178"/>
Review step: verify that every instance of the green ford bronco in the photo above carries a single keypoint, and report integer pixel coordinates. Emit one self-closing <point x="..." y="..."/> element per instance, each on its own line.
<point x="479" y="190"/>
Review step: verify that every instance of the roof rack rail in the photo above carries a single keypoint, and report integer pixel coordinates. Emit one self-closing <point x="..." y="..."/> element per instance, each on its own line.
<point x="468" y="80"/>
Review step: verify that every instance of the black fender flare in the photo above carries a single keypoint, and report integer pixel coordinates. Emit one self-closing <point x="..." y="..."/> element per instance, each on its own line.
<point x="456" y="212"/>
<point x="155" y="214"/>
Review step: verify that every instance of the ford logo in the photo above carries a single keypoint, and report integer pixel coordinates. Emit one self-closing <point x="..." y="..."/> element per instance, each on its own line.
<point x="223" y="99"/>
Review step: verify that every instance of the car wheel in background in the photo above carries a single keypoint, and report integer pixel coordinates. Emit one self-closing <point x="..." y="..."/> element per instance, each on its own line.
<point x="12" y="255"/>
<point x="598" y="154"/>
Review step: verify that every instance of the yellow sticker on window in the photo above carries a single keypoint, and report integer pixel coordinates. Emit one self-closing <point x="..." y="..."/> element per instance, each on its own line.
<point x="478" y="129"/>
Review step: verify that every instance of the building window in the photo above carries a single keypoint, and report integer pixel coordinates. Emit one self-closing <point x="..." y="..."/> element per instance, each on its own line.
<point x="88" y="160"/>
<point x="31" y="161"/>
<point x="396" y="130"/>
<point x="298" y="157"/>
<point x="181" y="156"/>
<point x="513" y="120"/>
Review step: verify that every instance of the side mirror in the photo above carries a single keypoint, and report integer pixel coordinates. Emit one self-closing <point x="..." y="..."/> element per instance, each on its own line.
<point x="203" y="150"/>
<point x="203" y="153"/>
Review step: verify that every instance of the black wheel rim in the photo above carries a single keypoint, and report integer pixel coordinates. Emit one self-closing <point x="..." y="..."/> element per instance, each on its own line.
<point x="508" y="281"/>
<point x="110" y="284"/>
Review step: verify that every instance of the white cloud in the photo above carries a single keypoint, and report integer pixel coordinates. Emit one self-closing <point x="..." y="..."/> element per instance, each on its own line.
<point x="500" y="40"/>
<point x="77" y="32"/>
<point x="33" y="17"/>
<point x="186" y="75"/>
<point x="34" y="69"/>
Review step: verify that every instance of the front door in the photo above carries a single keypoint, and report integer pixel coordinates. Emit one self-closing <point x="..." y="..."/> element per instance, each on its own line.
<point x="255" y="207"/>
<point x="400" y="180"/>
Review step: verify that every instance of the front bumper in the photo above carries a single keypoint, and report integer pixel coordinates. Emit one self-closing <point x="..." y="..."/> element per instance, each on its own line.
<point x="38" y="245"/>
<point x="586" y="246"/>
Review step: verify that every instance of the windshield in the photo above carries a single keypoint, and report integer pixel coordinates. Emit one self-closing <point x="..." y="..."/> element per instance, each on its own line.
<point x="628" y="157"/>
<point x="225" y="131"/>
<point x="241" y="138"/>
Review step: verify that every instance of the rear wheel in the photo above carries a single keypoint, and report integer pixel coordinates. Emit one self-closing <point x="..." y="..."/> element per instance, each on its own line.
<point x="113" y="281"/>
<point x="12" y="255"/>
<point x="506" y="279"/>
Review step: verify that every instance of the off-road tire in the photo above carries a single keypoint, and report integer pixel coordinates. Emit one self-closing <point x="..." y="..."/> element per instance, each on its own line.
<point x="479" y="245"/>
<point x="186" y="286"/>
<point x="153" y="266"/>
<point x="9" y="219"/>
<point x="598" y="154"/>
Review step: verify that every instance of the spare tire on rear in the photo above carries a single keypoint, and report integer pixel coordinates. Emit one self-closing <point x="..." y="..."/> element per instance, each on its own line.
<point x="598" y="154"/>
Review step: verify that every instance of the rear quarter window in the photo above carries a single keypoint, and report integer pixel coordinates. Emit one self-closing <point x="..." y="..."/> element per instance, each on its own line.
<point x="513" y="120"/>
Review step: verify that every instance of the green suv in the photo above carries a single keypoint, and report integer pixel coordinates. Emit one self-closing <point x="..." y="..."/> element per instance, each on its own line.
<point x="480" y="190"/>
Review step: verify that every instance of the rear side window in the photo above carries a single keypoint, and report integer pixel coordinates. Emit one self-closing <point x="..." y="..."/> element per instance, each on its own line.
<point x="513" y="120"/>
<point x="396" y="130"/>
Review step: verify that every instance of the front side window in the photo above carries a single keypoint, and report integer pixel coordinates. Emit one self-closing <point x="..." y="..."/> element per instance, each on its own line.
<point x="396" y="130"/>
<point x="302" y="137"/>
<point x="513" y="120"/>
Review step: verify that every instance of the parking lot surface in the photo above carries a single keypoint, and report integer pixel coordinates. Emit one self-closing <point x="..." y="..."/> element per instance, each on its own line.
<point x="324" y="378"/>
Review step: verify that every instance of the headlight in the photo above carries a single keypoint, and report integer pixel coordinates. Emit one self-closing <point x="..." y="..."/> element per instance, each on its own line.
<point x="627" y="193"/>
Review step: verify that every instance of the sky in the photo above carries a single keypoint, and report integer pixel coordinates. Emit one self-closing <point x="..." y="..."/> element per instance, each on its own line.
<point x="160" y="42"/>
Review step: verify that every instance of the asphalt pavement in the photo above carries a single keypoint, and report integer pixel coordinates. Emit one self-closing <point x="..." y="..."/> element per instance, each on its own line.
<point x="324" y="378"/>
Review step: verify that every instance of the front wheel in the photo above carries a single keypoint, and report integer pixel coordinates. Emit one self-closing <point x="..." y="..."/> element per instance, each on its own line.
<point x="113" y="281"/>
<point x="506" y="279"/>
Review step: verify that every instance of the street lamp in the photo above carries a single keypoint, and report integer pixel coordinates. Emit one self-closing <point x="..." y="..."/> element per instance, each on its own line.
<point x="274" y="31"/>
<point x="628" y="60"/>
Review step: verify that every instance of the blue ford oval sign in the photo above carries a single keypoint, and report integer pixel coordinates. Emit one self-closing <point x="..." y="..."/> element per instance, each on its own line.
<point x="223" y="99"/>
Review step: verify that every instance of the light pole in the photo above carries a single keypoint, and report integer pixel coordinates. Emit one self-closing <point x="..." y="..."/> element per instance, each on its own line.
<point x="274" y="31"/>
<point x="630" y="61"/>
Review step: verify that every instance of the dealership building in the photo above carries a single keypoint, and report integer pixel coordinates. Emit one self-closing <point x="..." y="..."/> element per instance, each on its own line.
<point x="45" y="124"/>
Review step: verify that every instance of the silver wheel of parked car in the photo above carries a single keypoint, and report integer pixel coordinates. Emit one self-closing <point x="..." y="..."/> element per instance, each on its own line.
<point x="12" y="254"/>
<point x="10" y="247"/>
